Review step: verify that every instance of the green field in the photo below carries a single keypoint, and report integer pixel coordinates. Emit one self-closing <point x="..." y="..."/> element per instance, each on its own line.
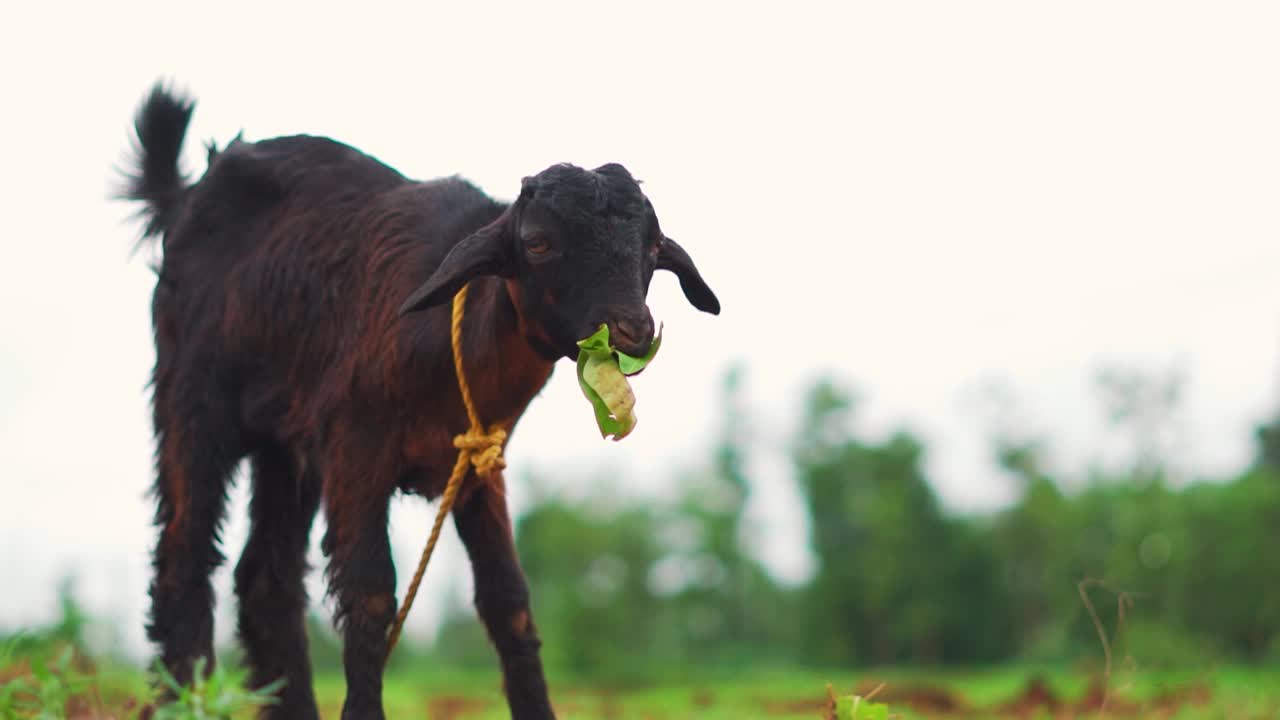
<point x="1226" y="693"/>
<point x="999" y="692"/>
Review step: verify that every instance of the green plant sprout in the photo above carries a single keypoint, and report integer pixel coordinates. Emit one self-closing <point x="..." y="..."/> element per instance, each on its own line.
<point x="220" y="696"/>
<point x="854" y="707"/>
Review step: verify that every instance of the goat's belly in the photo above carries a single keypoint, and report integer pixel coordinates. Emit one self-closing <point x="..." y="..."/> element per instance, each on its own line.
<point x="264" y="409"/>
<point x="427" y="482"/>
<point x="429" y="456"/>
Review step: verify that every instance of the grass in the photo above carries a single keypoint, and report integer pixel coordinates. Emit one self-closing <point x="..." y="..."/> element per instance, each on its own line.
<point x="1232" y="692"/>
<point x="53" y="681"/>
<point x="60" y="690"/>
<point x="43" y="676"/>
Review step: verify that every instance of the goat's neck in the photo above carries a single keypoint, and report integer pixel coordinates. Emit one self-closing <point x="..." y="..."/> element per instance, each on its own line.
<point x="503" y="370"/>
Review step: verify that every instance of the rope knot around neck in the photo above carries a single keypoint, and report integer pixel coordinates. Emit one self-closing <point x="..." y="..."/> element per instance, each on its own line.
<point x="483" y="448"/>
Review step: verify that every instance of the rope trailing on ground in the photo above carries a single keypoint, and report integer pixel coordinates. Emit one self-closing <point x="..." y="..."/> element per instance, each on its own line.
<point x="476" y="447"/>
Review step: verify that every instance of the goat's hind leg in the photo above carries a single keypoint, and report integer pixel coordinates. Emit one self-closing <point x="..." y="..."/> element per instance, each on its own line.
<point x="199" y="444"/>
<point x="269" y="581"/>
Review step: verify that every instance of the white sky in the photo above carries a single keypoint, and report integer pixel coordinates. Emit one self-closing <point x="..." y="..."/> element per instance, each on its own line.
<point x="917" y="195"/>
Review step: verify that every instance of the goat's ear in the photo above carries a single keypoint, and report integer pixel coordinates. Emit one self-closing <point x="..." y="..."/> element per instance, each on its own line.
<point x="673" y="257"/>
<point x="484" y="252"/>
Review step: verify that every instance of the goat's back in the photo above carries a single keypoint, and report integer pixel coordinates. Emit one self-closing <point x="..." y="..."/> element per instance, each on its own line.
<point x="287" y="261"/>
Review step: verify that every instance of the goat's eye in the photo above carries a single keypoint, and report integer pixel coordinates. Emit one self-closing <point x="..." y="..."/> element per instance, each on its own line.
<point x="537" y="244"/>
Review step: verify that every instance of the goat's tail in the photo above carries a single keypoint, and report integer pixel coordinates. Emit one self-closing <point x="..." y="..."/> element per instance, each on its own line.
<point x="154" y="177"/>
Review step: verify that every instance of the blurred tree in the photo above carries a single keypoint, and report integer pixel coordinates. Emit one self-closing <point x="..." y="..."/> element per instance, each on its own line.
<point x="1266" y="439"/>
<point x="1145" y="406"/>
<point x="897" y="581"/>
<point x="587" y="563"/>
<point x="1267" y="444"/>
<point x="1227" y="582"/>
<point x="588" y="573"/>
<point x="726" y="603"/>
<point x="1028" y="546"/>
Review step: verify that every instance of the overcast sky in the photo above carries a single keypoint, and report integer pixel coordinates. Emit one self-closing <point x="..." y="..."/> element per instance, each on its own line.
<point x="918" y="196"/>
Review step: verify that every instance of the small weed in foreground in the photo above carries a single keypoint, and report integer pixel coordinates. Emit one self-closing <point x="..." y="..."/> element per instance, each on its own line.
<point x="58" y="686"/>
<point x="216" y="697"/>
<point x="45" y="691"/>
<point x="854" y="707"/>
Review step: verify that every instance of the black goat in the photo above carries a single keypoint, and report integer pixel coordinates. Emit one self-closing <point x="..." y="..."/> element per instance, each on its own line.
<point x="301" y="321"/>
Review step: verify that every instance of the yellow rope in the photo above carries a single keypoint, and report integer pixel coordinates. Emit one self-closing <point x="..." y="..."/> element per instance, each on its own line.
<point x="475" y="447"/>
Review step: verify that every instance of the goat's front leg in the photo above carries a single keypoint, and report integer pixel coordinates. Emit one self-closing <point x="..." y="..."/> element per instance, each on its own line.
<point x="362" y="581"/>
<point x="502" y="599"/>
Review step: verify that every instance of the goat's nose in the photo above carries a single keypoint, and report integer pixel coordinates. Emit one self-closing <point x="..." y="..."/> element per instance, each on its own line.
<point x="632" y="336"/>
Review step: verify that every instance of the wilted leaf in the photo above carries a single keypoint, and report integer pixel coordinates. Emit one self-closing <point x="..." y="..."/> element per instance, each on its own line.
<point x="632" y="365"/>
<point x="602" y="371"/>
